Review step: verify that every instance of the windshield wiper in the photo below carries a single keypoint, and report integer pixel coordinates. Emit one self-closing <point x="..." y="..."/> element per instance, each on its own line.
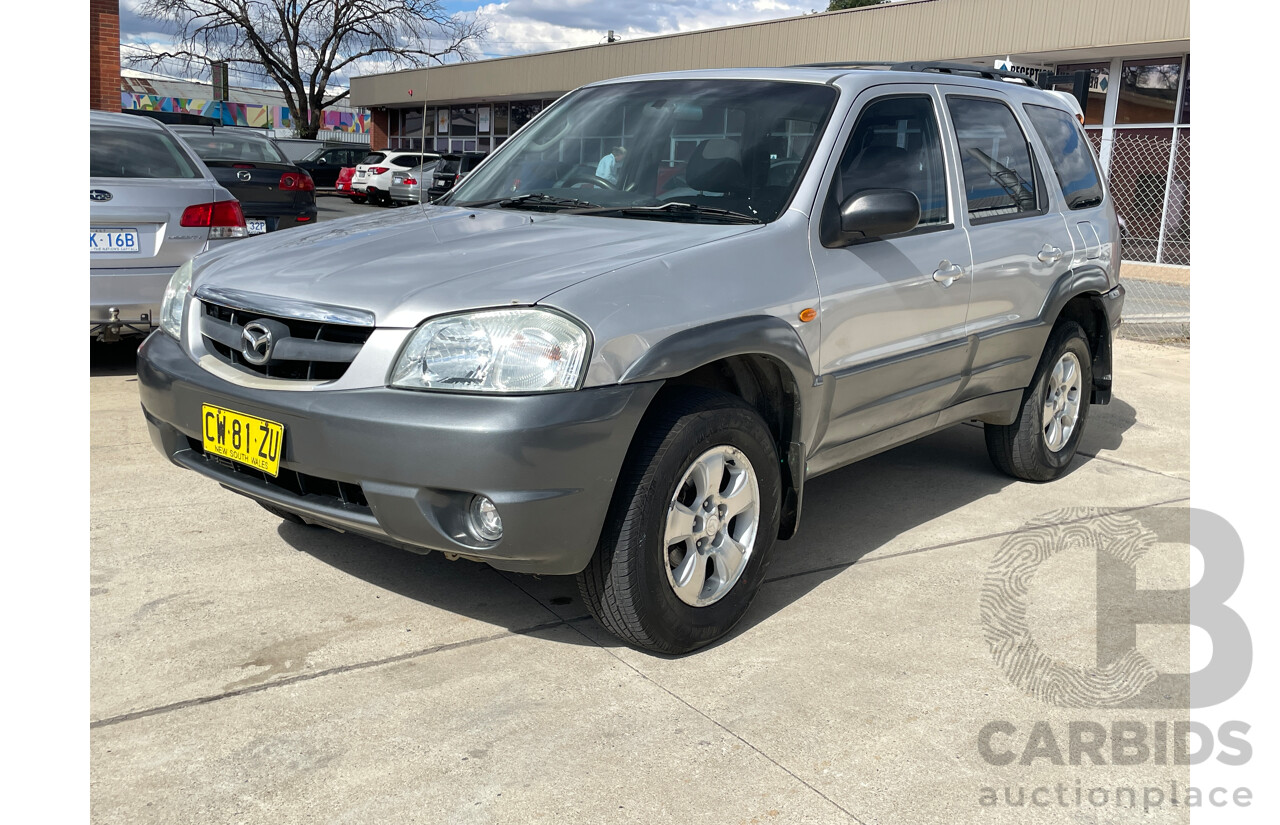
<point x="530" y="200"/>
<point x="675" y="210"/>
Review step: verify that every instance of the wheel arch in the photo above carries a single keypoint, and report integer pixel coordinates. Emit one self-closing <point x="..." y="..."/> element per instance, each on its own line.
<point x="759" y="359"/>
<point x="1078" y="297"/>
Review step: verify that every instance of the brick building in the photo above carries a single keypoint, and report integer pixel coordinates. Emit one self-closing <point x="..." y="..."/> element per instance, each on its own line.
<point x="104" y="55"/>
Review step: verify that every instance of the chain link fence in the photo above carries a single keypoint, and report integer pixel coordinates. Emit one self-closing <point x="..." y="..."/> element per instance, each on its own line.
<point x="1150" y="177"/>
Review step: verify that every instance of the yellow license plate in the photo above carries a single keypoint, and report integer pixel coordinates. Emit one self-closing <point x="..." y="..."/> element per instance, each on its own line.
<point x="246" y="439"/>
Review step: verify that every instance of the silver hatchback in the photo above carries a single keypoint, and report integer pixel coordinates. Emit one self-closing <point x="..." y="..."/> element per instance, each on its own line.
<point x="153" y="206"/>
<point x="408" y="186"/>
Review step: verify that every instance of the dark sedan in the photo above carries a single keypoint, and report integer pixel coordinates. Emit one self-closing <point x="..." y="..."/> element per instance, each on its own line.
<point x="325" y="164"/>
<point x="454" y="169"/>
<point x="274" y="193"/>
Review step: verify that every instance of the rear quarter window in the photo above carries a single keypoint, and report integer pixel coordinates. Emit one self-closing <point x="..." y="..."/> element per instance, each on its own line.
<point x="1069" y="154"/>
<point x="138" y="153"/>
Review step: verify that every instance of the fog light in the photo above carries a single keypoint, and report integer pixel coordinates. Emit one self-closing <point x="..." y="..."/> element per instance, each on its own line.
<point x="486" y="524"/>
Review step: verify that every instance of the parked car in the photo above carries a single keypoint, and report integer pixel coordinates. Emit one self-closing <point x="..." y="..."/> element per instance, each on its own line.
<point x="554" y="372"/>
<point x="343" y="185"/>
<point x="325" y="163"/>
<point x="274" y="193"/>
<point x="407" y="186"/>
<point x="373" y="172"/>
<point x="454" y="169"/>
<point x="174" y="118"/>
<point x="152" y="207"/>
<point x="298" y="149"/>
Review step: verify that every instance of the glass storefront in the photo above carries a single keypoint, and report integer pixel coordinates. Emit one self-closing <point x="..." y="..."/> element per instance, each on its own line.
<point x="1099" y="82"/>
<point x="1140" y="125"/>
<point x="470" y="127"/>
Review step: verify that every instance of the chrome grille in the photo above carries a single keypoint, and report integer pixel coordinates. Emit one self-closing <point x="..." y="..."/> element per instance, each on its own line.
<point x="311" y="342"/>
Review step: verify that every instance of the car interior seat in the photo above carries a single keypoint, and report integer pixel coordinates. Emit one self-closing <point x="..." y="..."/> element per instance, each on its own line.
<point x="716" y="166"/>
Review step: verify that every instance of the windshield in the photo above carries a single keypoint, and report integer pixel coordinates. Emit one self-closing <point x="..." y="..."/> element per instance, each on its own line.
<point x="630" y="149"/>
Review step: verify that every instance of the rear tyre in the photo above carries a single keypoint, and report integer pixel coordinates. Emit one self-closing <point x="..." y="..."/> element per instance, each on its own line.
<point x="1041" y="443"/>
<point x="692" y="522"/>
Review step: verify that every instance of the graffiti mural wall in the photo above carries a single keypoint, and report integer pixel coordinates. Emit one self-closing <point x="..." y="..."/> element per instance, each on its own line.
<point x="257" y="115"/>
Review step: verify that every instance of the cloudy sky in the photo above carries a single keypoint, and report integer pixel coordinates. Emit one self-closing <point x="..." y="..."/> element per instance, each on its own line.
<point x="524" y="26"/>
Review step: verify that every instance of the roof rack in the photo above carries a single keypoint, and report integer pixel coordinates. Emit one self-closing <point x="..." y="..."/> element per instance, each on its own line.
<point x="845" y="64"/>
<point x="962" y="69"/>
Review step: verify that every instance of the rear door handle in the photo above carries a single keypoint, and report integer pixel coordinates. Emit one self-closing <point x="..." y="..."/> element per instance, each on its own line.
<point x="1050" y="254"/>
<point x="948" y="273"/>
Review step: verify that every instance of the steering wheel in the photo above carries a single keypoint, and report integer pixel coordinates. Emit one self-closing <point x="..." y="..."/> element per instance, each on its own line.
<point x="579" y="176"/>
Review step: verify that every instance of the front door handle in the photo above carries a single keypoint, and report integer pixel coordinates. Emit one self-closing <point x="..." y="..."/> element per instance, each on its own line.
<point x="948" y="273"/>
<point x="1050" y="254"/>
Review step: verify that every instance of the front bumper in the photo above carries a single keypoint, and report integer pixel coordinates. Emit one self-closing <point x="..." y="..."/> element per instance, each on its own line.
<point x="549" y="462"/>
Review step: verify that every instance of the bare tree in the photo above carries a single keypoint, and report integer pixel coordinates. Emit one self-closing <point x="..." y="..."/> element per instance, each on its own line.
<point x="303" y="44"/>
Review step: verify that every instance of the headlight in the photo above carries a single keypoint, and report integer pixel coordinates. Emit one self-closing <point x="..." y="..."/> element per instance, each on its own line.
<point x="496" y="350"/>
<point x="174" y="306"/>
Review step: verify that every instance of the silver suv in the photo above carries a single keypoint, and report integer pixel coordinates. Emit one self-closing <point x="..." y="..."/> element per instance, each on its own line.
<point x="628" y="369"/>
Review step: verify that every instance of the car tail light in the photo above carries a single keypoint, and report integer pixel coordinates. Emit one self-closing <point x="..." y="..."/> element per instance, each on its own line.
<point x="380" y="170"/>
<point x="410" y="182"/>
<point x="297" y="182"/>
<point x="224" y="219"/>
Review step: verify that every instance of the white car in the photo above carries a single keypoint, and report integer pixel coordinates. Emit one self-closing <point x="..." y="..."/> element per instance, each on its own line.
<point x="373" y="174"/>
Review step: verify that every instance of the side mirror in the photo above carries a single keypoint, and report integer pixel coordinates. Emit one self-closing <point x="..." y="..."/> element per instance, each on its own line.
<point x="874" y="213"/>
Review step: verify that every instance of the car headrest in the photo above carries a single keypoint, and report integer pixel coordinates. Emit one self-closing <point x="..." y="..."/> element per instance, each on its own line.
<point x="716" y="166"/>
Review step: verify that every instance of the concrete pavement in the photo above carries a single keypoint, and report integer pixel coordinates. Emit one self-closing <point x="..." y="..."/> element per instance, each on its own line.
<point x="245" y="670"/>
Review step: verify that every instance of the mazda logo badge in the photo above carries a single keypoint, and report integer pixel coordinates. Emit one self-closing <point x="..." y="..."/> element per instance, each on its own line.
<point x="99" y="195"/>
<point x="256" y="343"/>
<point x="243" y="175"/>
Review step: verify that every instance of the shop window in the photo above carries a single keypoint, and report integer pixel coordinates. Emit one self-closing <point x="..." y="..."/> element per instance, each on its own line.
<point x="1185" y="119"/>
<point x="523" y="112"/>
<point x="500" y="118"/>
<point x="1099" y="81"/>
<point x="462" y="121"/>
<point x="1149" y="90"/>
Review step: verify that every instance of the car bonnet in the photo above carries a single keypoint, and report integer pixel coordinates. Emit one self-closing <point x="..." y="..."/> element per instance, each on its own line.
<point x="413" y="264"/>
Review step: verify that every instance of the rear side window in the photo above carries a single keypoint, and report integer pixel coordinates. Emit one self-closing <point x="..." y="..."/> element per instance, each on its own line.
<point x="137" y="153"/>
<point x="407" y="161"/>
<point x="999" y="174"/>
<point x="1069" y="154"/>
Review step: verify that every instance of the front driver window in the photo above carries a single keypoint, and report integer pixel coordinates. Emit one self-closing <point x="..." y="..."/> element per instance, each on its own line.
<point x="896" y="144"/>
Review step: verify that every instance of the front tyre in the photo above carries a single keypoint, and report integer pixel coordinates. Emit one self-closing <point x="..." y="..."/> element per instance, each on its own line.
<point x="1041" y="443"/>
<point x="688" y="536"/>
